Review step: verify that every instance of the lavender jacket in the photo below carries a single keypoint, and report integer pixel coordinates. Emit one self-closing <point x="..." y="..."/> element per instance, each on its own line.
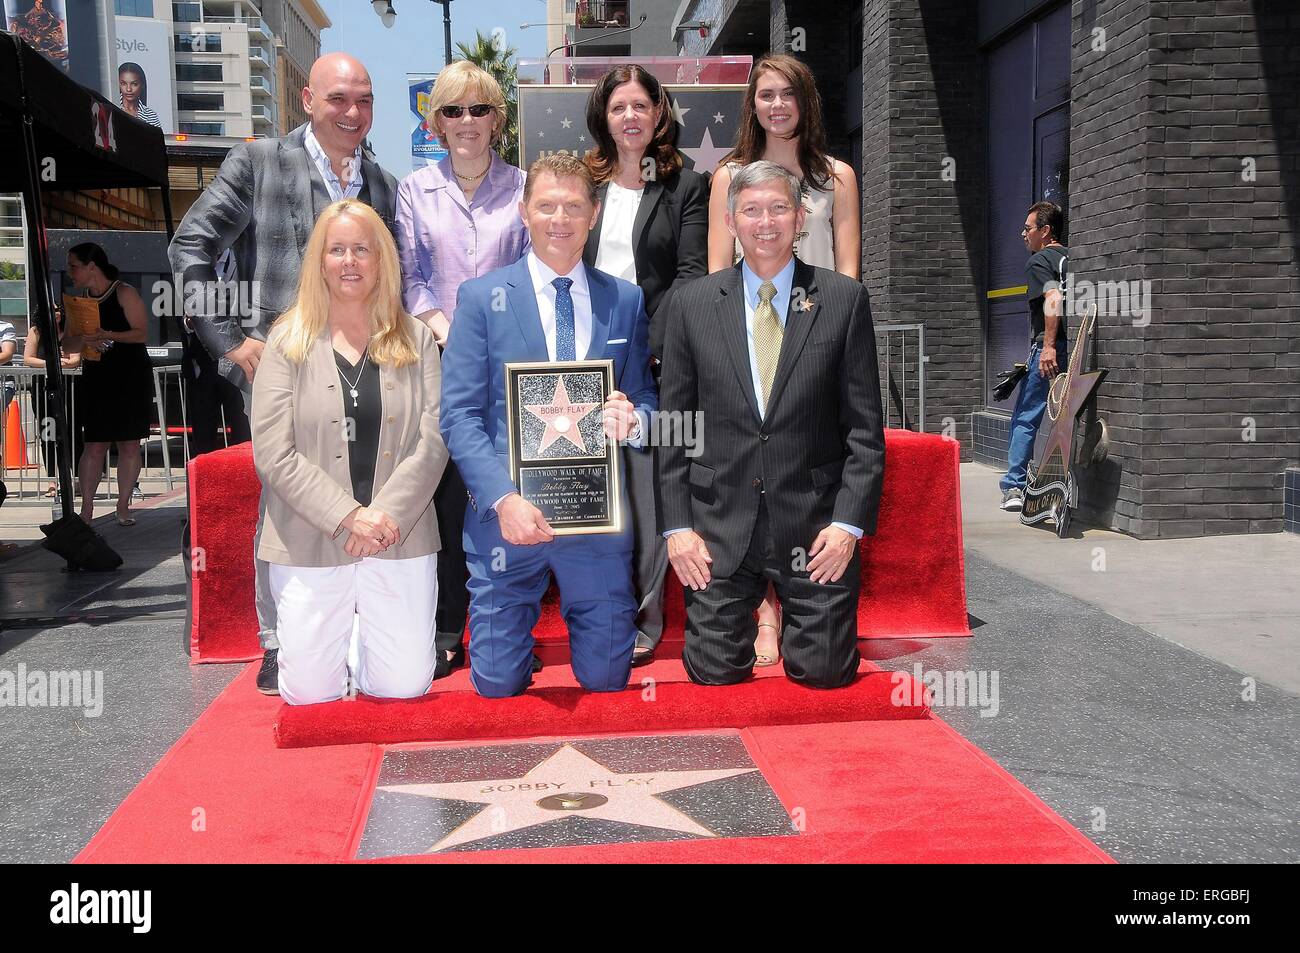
<point x="443" y="242"/>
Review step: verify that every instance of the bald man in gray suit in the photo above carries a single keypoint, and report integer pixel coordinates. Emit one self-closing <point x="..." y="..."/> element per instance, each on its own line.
<point x="261" y="207"/>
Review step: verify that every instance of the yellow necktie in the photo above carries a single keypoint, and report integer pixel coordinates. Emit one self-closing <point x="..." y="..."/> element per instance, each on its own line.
<point x="767" y="339"/>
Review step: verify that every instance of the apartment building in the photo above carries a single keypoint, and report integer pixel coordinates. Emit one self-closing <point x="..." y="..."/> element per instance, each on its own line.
<point x="593" y="28"/>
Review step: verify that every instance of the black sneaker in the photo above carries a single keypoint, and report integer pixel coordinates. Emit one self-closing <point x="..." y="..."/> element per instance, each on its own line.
<point x="268" y="676"/>
<point x="1013" y="500"/>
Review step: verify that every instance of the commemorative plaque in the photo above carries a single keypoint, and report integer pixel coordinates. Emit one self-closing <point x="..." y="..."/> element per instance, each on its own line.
<point x="559" y="457"/>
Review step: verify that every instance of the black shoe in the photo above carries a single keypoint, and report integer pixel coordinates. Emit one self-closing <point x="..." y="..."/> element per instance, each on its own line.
<point x="268" y="676"/>
<point x="444" y="666"/>
<point x="643" y="651"/>
<point x="537" y="663"/>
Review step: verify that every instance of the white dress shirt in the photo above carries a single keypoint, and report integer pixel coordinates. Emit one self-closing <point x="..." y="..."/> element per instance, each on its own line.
<point x="332" y="183"/>
<point x="542" y="277"/>
<point x="615" y="255"/>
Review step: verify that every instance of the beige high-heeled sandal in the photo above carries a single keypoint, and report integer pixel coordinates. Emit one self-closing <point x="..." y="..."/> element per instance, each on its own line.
<point x="762" y="659"/>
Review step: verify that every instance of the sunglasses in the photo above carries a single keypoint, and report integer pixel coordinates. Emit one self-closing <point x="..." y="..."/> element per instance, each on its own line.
<point x="478" y="111"/>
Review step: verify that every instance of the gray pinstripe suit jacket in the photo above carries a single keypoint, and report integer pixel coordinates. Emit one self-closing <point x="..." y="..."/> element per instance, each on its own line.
<point x="818" y="454"/>
<point x="261" y="206"/>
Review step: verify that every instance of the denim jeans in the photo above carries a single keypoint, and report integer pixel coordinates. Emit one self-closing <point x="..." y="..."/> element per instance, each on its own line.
<point x="1031" y="404"/>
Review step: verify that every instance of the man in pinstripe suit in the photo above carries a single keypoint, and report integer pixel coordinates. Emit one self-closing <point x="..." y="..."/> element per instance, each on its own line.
<point x="780" y="358"/>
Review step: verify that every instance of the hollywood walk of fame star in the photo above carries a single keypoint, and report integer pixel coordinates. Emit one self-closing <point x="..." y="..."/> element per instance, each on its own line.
<point x="566" y="122"/>
<point x="511" y="804"/>
<point x="679" y="113"/>
<point x="1076" y="392"/>
<point x="718" y="117"/>
<point x="562" y="417"/>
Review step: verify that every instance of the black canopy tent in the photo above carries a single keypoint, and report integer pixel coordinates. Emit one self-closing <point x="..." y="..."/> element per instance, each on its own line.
<point x="67" y="137"/>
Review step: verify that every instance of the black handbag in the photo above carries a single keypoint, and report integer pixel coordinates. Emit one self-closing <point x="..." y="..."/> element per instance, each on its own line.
<point x="1008" y="381"/>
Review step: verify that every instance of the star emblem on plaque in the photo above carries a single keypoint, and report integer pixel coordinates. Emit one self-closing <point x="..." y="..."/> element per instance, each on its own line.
<point x="569" y="793"/>
<point x="559" y="457"/>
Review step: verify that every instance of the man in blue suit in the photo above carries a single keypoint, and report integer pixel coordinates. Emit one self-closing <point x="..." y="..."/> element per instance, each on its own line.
<point x="548" y="306"/>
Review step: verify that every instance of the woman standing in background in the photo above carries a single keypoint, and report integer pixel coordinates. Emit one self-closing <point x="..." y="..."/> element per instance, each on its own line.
<point x="457" y="219"/>
<point x="652" y="230"/>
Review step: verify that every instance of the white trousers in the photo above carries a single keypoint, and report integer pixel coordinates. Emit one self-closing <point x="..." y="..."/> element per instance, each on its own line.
<point x="392" y="604"/>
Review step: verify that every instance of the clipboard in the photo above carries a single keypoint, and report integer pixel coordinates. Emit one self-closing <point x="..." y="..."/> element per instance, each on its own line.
<point x="81" y="316"/>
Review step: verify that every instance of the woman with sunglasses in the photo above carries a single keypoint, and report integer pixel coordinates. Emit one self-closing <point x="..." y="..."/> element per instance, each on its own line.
<point x="781" y="121"/>
<point x="457" y="219"/>
<point x="652" y="230"/>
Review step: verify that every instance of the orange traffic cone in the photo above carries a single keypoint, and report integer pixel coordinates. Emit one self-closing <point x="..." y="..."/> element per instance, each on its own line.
<point x="15" y="442"/>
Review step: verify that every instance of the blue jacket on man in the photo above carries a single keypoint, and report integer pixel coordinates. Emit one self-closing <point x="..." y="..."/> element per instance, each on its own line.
<point x="497" y="321"/>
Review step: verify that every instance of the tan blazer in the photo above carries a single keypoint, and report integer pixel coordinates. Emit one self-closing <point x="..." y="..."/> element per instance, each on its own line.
<point x="301" y="450"/>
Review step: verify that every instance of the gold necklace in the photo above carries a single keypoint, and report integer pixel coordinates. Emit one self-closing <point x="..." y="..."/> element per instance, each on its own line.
<point x="472" y="178"/>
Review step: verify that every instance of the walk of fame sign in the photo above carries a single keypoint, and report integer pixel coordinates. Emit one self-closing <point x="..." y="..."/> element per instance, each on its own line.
<point x="553" y="119"/>
<point x="563" y="794"/>
<point x="559" y="457"/>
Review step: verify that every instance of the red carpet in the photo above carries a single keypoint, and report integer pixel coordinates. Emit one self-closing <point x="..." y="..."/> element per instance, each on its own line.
<point x="882" y="791"/>
<point x="457" y="713"/>
<point x="913" y="578"/>
<point x="224" y="491"/>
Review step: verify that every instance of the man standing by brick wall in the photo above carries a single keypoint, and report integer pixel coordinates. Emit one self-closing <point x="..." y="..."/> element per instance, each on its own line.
<point x="1044" y="224"/>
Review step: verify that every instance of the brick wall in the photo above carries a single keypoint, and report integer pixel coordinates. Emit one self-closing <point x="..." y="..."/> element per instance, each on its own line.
<point x="1163" y="117"/>
<point x="923" y="234"/>
<point x="824" y="36"/>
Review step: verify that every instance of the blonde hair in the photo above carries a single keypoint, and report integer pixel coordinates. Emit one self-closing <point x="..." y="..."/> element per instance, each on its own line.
<point x="391" y="339"/>
<point x="453" y="83"/>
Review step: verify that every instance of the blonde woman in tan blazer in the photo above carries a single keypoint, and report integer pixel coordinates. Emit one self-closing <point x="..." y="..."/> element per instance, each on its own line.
<point x="346" y="442"/>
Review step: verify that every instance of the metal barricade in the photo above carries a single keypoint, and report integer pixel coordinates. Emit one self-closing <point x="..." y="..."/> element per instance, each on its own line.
<point x="900" y="352"/>
<point x="31" y="452"/>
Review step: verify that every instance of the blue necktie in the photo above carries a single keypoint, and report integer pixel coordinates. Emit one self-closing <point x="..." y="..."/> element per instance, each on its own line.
<point x="566" y="346"/>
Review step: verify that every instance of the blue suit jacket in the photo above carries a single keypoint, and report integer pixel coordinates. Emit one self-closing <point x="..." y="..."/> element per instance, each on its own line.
<point x="483" y="340"/>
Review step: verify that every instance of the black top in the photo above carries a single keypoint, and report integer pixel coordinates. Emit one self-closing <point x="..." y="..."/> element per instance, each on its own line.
<point x="363" y="420"/>
<point x="1046" y="270"/>
<point x="117" y="390"/>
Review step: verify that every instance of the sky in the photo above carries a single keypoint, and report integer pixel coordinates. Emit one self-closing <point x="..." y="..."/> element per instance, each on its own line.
<point x="415" y="45"/>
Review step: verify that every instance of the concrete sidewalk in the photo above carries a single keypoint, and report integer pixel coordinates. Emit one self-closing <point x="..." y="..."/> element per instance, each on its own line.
<point x="1234" y="599"/>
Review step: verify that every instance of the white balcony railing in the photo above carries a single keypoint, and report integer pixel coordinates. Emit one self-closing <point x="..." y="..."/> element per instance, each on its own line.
<point x="254" y="24"/>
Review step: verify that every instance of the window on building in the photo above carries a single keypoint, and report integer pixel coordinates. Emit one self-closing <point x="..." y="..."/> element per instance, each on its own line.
<point x="203" y="128"/>
<point x="133" y="8"/>
<point x="13" y="293"/>
<point x="187" y="12"/>
<point x="208" y="102"/>
<point x="198" y="42"/>
<point x="199" y="72"/>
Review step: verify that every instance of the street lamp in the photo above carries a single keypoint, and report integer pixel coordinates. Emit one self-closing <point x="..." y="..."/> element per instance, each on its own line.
<point x="388" y="15"/>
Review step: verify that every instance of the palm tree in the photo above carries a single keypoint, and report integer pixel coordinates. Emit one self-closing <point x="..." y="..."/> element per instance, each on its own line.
<point x="499" y="61"/>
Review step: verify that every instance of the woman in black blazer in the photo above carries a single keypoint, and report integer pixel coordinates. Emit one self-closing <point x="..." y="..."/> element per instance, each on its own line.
<point x="653" y="230"/>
